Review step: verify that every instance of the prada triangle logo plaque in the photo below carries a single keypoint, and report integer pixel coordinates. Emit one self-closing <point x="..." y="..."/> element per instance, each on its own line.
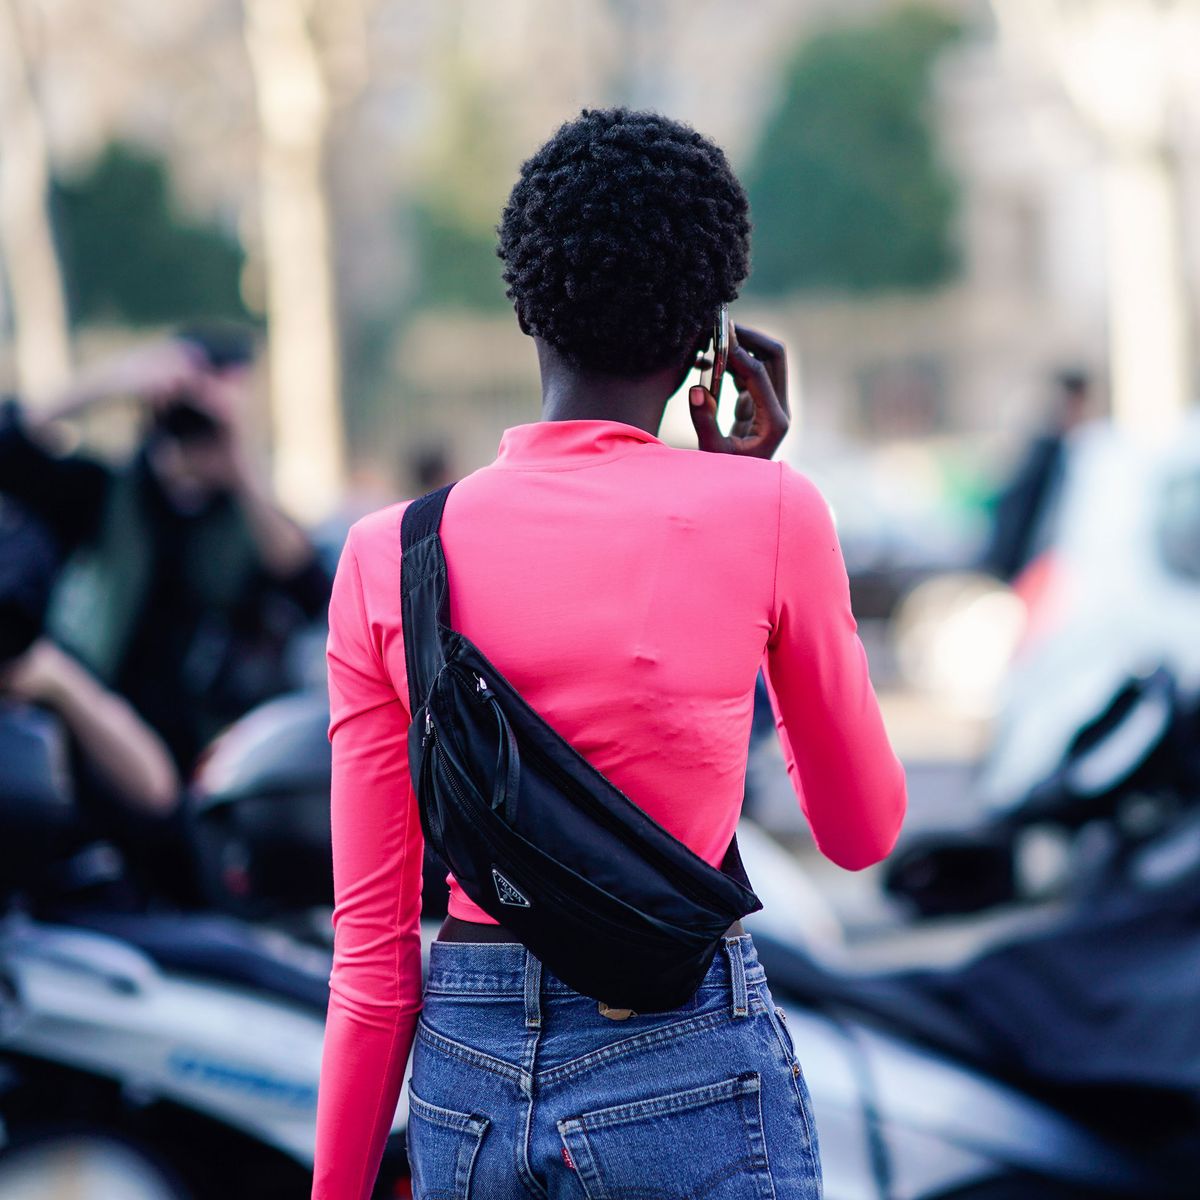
<point x="507" y="892"/>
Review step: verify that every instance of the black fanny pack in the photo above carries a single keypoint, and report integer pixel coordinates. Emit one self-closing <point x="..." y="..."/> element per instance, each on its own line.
<point x="607" y="899"/>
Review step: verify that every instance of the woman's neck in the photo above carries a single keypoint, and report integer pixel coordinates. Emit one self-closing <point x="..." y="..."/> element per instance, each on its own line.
<point x="569" y="394"/>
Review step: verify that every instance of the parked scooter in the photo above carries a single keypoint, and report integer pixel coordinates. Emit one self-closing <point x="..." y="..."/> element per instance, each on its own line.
<point x="1126" y="780"/>
<point x="192" y="1042"/>
<point x="259" y="821"/>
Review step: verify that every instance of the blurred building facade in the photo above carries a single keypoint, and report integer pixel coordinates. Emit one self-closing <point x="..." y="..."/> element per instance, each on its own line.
<point x="966" y="359"/>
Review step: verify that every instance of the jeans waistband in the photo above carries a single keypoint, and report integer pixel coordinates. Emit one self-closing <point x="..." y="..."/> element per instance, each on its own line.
<point x="508" y="969"/>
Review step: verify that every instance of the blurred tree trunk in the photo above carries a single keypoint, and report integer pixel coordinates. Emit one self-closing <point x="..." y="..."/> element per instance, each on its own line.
<point x="1147" y="302"/>
<point x="304" y="355"/>
<point x="39" y="311"/>
<point x="1118" y="63"/>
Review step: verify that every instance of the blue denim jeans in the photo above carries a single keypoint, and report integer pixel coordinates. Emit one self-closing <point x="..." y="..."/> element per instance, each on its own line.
<point x="523" y="1088"/>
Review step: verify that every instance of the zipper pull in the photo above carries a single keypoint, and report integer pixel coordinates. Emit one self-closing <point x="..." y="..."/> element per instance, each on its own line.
<point x="428" y="728"/>
<point x="481" y="687"/>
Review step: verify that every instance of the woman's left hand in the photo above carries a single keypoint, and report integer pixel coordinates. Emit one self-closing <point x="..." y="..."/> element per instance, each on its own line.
<point x="758" y="365"/>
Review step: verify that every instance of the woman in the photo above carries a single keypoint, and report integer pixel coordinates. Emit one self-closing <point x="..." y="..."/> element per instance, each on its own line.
<point x="631" y="592"/>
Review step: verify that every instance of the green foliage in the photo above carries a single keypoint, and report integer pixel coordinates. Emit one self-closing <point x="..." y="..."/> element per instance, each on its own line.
<point x="128" y="255"/>
<point x="846" y="189"/>
<point x="457" y="265"/>
<point x="456" y="208"/>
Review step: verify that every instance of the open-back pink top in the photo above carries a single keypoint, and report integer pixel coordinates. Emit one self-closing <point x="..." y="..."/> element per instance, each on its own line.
<point x="631" y="592"/>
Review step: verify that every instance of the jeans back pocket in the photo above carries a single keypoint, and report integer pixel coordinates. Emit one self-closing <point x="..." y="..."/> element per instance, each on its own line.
<point x="705" y="1142"/>
<point x="442" y="1147"/>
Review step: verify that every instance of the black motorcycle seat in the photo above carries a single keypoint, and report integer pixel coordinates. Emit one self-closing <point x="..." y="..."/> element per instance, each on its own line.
<point x="220" y="948"/>
<point x="887" y="998"/>
<point x="1094" y="1015"/>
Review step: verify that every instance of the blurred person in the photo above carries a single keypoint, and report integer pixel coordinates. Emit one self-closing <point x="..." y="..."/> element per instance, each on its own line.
<point x="121" y="748"/>
<point x="1025" y="506"/>
<point x="630" y="592"/>
<point x="429" y="468"/>
<point x="127" y="759"/>
<point x="123" y="785"/>
<point x="184" y="580"/>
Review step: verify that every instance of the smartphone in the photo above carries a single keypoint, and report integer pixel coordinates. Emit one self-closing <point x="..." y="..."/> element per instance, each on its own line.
<point x="717" y="358"/>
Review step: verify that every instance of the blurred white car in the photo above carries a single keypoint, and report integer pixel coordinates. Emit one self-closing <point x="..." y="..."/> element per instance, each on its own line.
<point x="1117" y="594"/>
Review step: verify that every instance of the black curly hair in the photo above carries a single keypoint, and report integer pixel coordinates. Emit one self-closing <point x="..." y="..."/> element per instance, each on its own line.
<point x="622" y="237"/>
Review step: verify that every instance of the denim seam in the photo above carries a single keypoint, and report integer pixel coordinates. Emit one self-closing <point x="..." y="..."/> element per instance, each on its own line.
<point x="467" y="1171"/>
<point x="673" y="1102"/>
<point x="487" y="987"/>
<point x="809" y="1132"/>
<point x="579" y="1148"/>
<point x="759" y="1136"/>
<point x="491" y="987"/>
<point x="533" y="1034"/>
<point x="628" y="1045"/>
<point x="783" y="1037"/>
<point x="447" y="1118"/>
<point x="473" y="993"/>
<point x="470" y="1055"/>
<point x="533" y="991"/>
<point x="737" y="977"/>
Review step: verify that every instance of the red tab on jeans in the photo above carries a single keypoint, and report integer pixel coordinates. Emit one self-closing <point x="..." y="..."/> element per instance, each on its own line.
<point x="568" y="1159"/>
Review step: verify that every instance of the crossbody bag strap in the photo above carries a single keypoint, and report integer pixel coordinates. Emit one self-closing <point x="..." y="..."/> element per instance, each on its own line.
<point x="424" y="593"/>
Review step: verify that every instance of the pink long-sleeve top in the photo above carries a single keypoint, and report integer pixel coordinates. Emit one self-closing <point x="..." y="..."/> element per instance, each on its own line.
<point x="631" y="592"/>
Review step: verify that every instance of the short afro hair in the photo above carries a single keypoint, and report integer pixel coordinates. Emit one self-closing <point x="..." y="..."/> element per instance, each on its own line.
<point x="622" y="237"/>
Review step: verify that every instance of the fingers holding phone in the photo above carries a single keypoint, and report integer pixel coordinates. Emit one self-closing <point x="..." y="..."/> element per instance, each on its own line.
<point x="758" y="365"/>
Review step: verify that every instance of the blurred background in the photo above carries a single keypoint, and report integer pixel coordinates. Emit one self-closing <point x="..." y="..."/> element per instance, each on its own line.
<point x="248" y="292"/>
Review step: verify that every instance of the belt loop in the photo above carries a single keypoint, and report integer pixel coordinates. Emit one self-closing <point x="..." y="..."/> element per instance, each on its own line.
<point x="533" y="989"/>
<point x="737" y="972"/>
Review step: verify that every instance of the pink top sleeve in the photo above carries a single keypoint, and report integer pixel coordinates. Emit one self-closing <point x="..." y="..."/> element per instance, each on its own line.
<point x="375" y="986"/>
<point x="849" y="780"/>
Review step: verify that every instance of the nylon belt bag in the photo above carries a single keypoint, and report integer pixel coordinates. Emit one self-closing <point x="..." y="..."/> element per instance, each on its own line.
<point x="608" y="900"/>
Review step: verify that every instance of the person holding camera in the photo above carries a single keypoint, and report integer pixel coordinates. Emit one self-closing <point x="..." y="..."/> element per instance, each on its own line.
<point x="183" y="579"/>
